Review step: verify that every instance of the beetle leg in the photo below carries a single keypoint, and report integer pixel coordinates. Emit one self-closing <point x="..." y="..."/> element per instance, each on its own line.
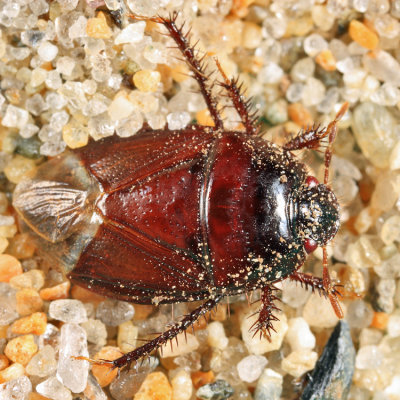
<point x="242" y="106"/>
<point x="322" y="286"/>
<point x="179" y="327"/>
<point x="310" y="137"/>
<point x="265" y="315"/>
<point x="197" y="65"/>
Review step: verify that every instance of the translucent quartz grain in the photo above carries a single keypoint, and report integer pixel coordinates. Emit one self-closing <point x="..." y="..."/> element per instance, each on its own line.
<point x="251" y="367"/>
<point x="15" y="117"/>
<point x="277" y="112"/>
<point x="387" y="26"/>
<point x="393" y="326"/>
<point x="362" y="254"/>
<point x="269" y="386"/>
<point x="133" y="33"/>
<point x="39" y="75"/>
<point x="394" y="160"/>
<point x="251" y="35"/>
<point x="178" y="120"/>
<point x="47" y="51"/>
<point x="389" y="268"/>
<point x="39" y="7"/>
<point x="58" y="120"/>
<point x="270" y="73"/>
<point x="386" y="191"/>
<point x="43" y="363"/>
<point x="369" y="357"/>
<point x="147" y="80"/>
<point x="182" y="387"/>
<point x="30" y="279"/>
<point x="128" y="382"/>
<point x="129" y="126"/>
<point x="68" y="310"/>
<point x="53" y="389"/>
<point x="114" y="312"/>
<point x="120" y="108"/>
<point x="96" y="331"/>
<point x="293" y="294"/>
<point x="298" y="362"/>
<point x="299" y="335"/>
<point x="302" y="69"/>
<point x="275" y="25"/>
<point x="78" y="28"/>
<point x="28" y="131"/>
<point x="373" y="129"/>
<point x="318" y="312"/>
<point x="75" y="135"/>
<point x="71" y="372"/>
<point x="65" y="65"/>
<point x="127" y="336"/>
<point x="295" y="92"/>
<point x="386" y="289"/>
<point x="143" y="7"/>
<point x="93" y="390"/>
<point x="314" y="44"/>
<point x="155" y="53"/>
<point x="313" y="92"/>
<point x="16" y="389"/>
<point x="322" y="18"/>
<point x="383" y="66"/>
<point x="359" y="314"/>
<point x="216" y="335"/>
<point x="370" y="336"/>
<point x="387" y="95"/>
<point x="101" y="126"/>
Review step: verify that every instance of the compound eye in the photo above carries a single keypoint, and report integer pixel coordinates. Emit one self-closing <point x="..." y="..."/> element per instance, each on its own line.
<point x="311" y="181"/>
<point x="310" y="245"/>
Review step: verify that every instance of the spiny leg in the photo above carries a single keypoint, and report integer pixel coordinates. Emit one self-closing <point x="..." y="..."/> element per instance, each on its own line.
<point x="177" y="328"/>
<point x="197" y="65"/>
<point x="312" y="282"/>
<point x="329" y="287"/>
<point x="324" y="288"/>
<point x="242" y="106"/>
<point x="263" y="325"/>
<point x="311" y="137"/>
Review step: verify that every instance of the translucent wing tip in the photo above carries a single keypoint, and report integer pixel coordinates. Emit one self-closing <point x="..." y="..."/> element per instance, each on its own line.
<point x="51" y="209"/>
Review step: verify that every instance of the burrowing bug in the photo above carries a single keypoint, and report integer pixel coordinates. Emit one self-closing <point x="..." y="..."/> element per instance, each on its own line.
<point x="195" y="214"/>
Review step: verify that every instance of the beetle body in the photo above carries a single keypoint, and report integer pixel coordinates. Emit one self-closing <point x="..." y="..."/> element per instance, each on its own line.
<point x="200" y="213"/>
<point x="167" y="216"/>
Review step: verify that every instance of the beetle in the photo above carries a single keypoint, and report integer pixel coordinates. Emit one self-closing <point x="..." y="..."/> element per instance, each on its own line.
<point x="195" y="214"/>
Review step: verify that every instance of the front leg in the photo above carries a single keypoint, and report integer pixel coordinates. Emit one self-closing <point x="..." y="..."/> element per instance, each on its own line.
<point x="330" y="291"/>
<point x="263" y="325"/>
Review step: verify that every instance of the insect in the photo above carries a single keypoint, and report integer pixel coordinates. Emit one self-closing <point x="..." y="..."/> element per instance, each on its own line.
<point x="195" y="214"/>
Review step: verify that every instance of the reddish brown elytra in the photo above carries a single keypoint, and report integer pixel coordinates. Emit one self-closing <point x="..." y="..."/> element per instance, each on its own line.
<point x="195" y="214"/>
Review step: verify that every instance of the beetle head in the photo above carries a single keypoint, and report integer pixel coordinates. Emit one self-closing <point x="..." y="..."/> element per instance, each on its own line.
<point x="317" y="215"/>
